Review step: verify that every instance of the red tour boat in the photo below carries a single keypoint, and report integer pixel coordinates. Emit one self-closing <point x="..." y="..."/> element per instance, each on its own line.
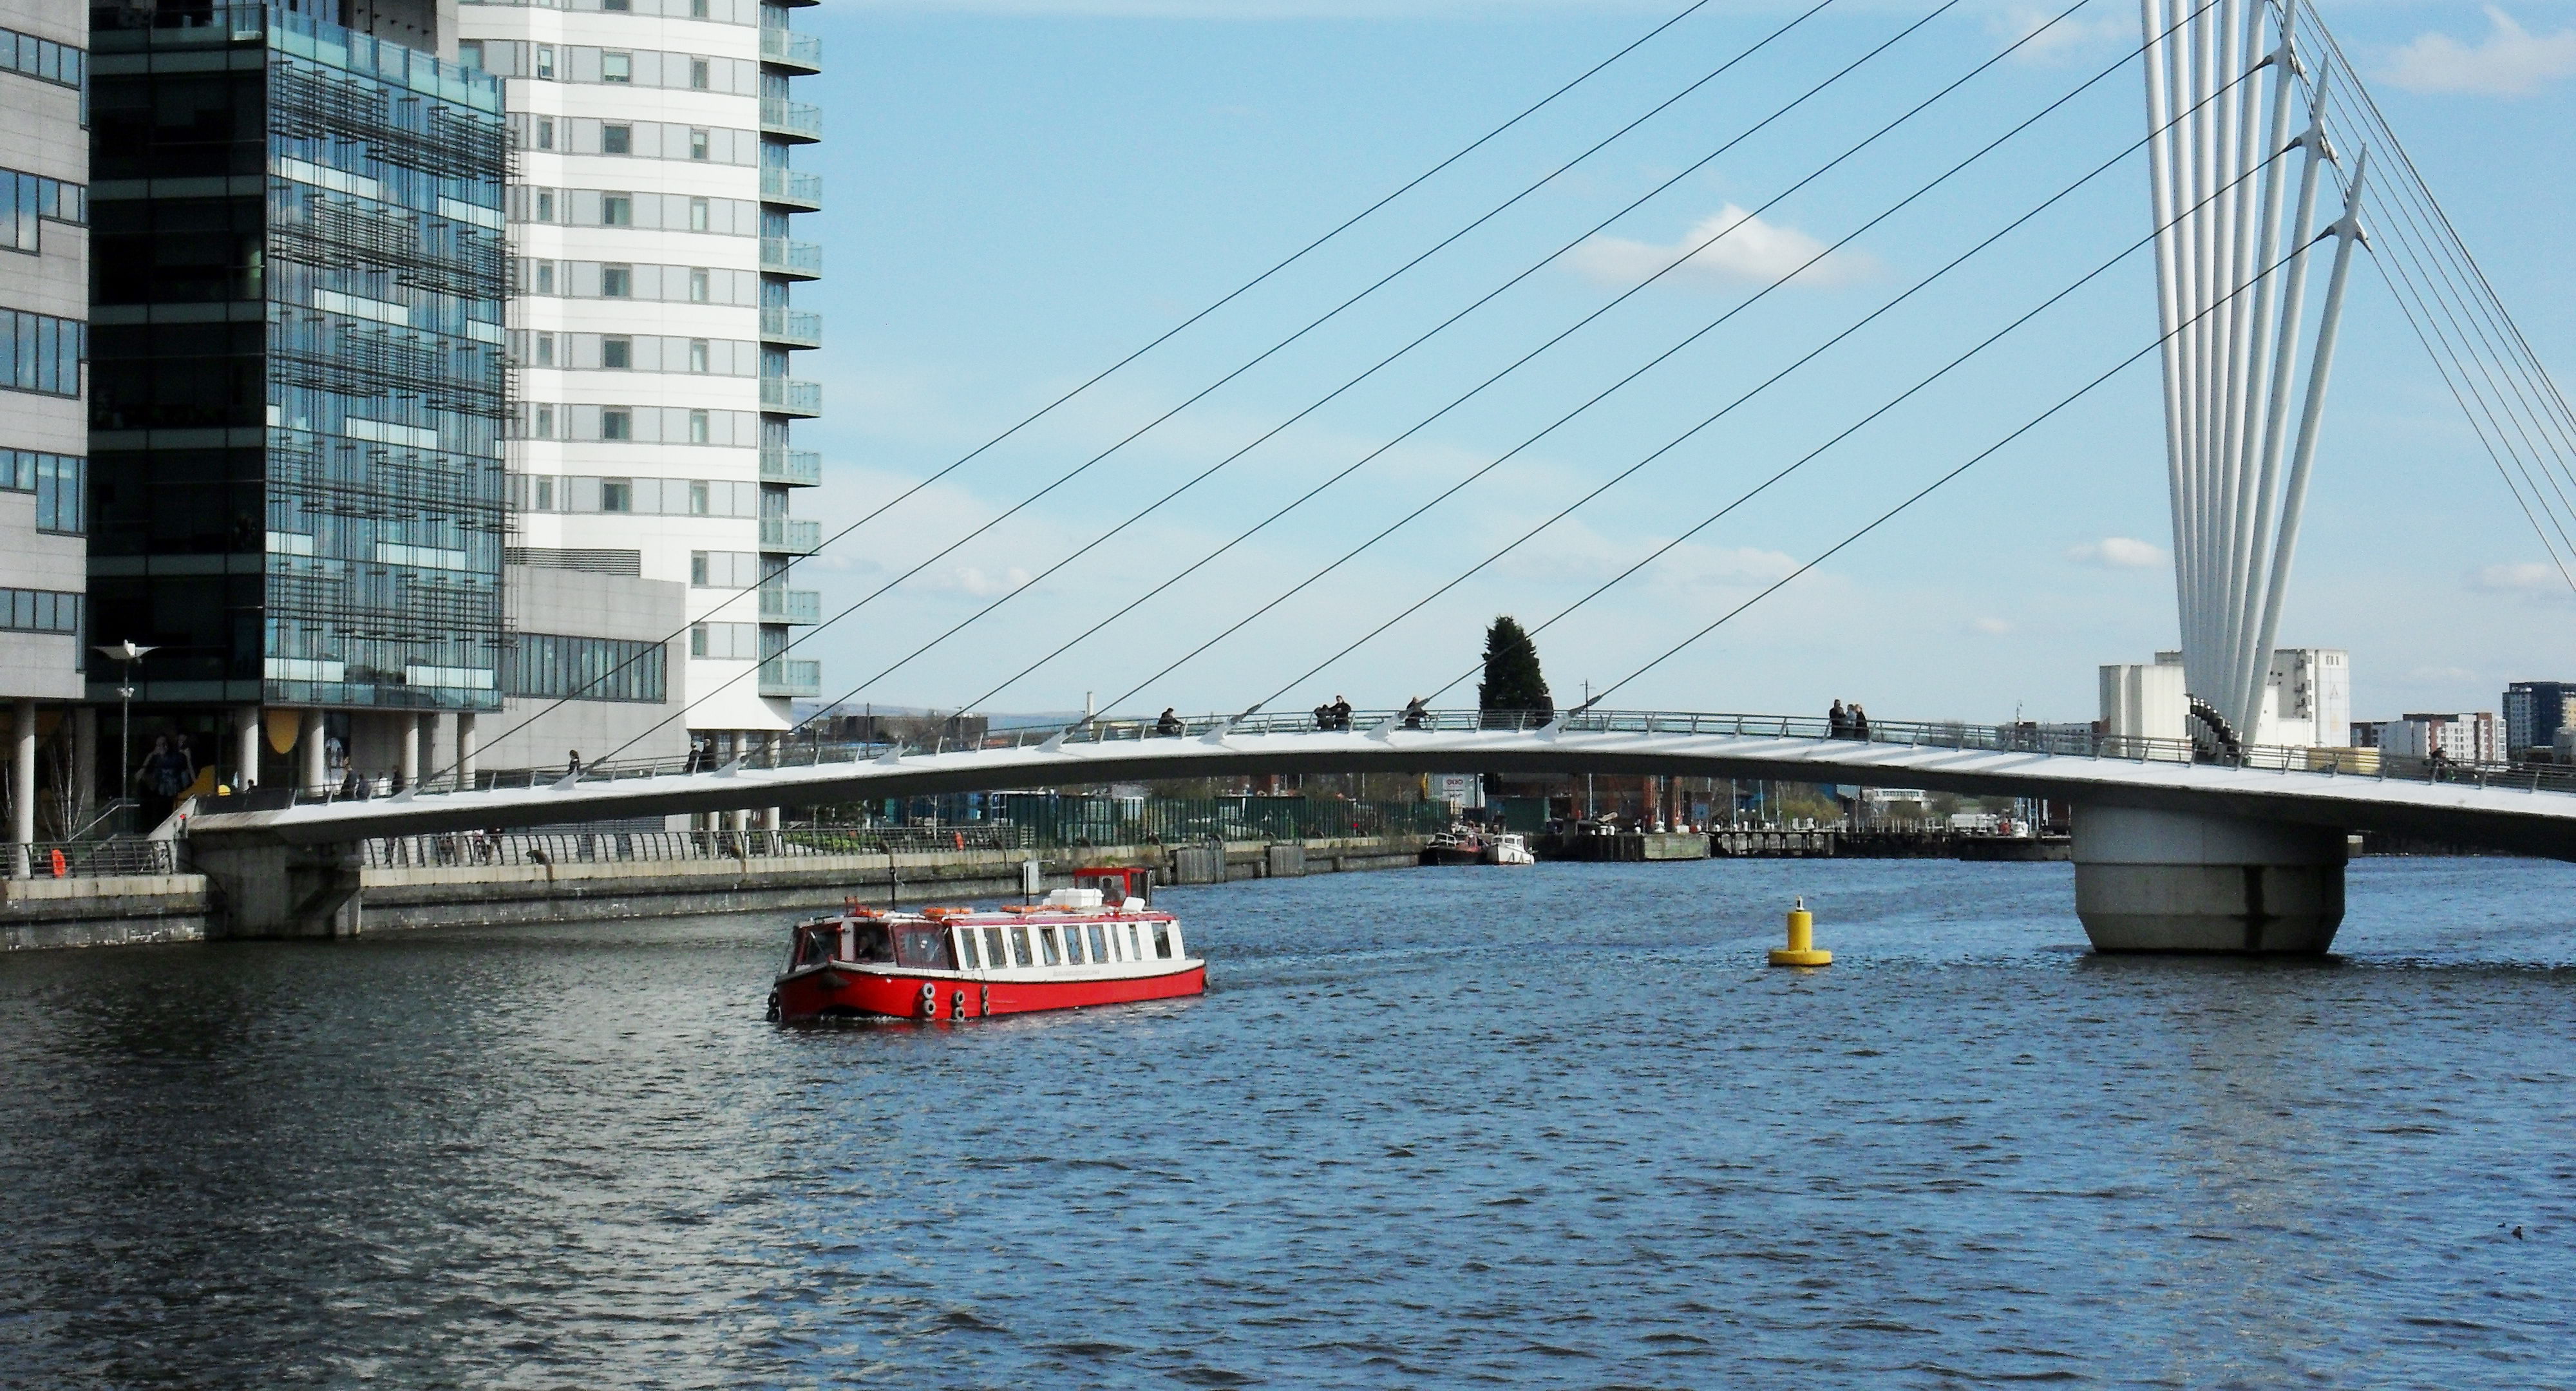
<point x="1098" y="943"/>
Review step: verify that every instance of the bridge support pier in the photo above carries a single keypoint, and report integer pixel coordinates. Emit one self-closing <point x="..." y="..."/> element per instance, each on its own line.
<point x="281" y="890"/>
<point x="2178" y="882"/>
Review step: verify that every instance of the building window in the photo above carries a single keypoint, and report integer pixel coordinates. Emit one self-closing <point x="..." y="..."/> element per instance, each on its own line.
<point x="545" y="497"/>
<point x="697" y="490"/>
<point x="556" y="667"/>
<point x="546" y="134"/>
<point x="545" y="206"/>
<point x="698" y="434"/>
<point x="40" y="611"/>
<point x="616" y="67"/>
<point x="700" y="74"/>
<point x="541" y="425"/>
<point x="617" y="140"/>
<point x="725" y="642"/>
<point x="698" y="215"/>
<point x="545" y="277"/>
<point x="546" y="62"/>
<point x="616" y="423"/>
<point x="617" y="352"/>
<point x="545" y="350"/>
<point x="697" y="9"/>
<point x="469" y="54"/>
<point x="616" y="282"/>
<point x="55" y="479"/>
<point x="40" y="353"/>
<point x="697" y="285"/>
<point x="697" y="144"/>
<point x="698" y="357"/>
<point x="618" y="209"/>
<point x="617" y="6"/>
<point x="617" y="494"/>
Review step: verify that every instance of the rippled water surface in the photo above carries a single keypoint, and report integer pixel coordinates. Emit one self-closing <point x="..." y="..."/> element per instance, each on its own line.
<point x="1553" y="1126"/>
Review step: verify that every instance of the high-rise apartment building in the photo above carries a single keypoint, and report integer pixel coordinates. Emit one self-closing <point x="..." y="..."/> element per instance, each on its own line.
<point x="44" y="308"/>
<point x="2534" y="712"/>
<point x="651" y="221"/>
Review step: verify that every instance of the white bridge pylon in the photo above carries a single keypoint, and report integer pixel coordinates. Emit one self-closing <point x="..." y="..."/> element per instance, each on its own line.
<point x="2231" y="287"/>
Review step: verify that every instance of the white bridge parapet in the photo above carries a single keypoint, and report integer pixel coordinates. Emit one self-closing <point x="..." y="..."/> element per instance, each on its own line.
<point x="2520" y="810"/>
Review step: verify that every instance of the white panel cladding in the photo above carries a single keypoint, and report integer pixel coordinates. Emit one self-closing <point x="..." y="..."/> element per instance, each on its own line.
<point x="564" y="159"/>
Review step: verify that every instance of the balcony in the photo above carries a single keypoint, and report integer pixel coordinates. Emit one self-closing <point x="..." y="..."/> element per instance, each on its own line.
<point x="791" y="328"/>
<point x="797" y="260"/>
<point x="791" y="676"/>
<point x="797" y="468"/>
<point x="787" y="396"/>
<point x="800" y="121"/>
<point x="793" y="187"/>
<point x="790" y="49"/>
<point x="791" y="535"/>
<point x="791" y="605"/>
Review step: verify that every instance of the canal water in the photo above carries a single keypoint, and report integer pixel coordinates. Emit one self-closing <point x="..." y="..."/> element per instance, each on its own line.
<point x="1544" y="1127"/>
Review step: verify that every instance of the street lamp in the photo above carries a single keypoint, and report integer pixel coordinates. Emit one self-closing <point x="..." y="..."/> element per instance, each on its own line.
<point x="129" y="652"/>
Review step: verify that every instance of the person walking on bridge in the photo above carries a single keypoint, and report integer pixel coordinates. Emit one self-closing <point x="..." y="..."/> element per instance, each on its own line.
<point x="1415" y="710"/>
<point x="1168" y="724"/>
<point x="1859" y="722"/>
<point x="1837" y="723"/>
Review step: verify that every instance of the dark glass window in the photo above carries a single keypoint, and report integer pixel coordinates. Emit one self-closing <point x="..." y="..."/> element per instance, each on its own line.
<point x="39" y="611"/>
<point x="557" y="667"/>
<point x="617" y="139"/>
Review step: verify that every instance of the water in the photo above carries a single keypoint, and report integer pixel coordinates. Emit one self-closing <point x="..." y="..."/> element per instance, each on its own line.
<point x="1538" y="1127"/>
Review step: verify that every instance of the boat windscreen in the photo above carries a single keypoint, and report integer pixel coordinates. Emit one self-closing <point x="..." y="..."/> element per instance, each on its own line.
<point x="869" y="942"/>
<point x="924" y="948"/>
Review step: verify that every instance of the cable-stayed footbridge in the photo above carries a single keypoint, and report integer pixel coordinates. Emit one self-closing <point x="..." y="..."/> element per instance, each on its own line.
<point x="2267" y="169"/>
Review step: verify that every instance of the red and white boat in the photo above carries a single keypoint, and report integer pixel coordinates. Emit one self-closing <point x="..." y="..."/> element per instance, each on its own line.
<point x="1098" y="943"/>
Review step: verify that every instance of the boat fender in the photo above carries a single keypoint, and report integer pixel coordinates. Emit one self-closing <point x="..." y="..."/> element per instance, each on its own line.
<point x="987" y="1001"/>
<point x="774" y="1011"/>
<point x="929" y="1000"/>
<point x="957" y="1005"/>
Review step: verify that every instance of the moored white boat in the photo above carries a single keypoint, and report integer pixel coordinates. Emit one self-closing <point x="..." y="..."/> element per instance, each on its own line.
<point x="1507" y="849"/>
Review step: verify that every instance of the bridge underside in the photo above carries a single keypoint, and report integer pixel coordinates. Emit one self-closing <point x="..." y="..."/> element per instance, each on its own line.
<point x="2516" y="821"/>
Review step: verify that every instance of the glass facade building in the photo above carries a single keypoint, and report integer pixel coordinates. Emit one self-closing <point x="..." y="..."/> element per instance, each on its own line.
<point x="299" y="376"/>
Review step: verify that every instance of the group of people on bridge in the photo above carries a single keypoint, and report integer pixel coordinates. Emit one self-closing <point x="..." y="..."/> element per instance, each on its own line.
<point x="1847" y="722"/>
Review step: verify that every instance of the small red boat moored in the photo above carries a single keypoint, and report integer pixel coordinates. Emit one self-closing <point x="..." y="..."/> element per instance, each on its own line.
<point x="1099" y="943"/>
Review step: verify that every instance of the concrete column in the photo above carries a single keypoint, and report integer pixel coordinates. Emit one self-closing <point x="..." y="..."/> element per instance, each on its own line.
<point x="308" y="753"/>
<point x="2174" y="881"/>
<point x="246" y="736"/>
<point x="465" y="748"/>
<point x="22" y="785"/>
<point x="84" y="764"/>
<point x="407" y="748"/>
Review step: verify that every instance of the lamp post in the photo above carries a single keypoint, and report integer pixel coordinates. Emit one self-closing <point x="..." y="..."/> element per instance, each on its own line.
<point x="129" y="652"/>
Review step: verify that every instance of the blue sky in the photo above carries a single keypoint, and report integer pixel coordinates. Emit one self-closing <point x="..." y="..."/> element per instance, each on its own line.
<point x="1023" y="191"/>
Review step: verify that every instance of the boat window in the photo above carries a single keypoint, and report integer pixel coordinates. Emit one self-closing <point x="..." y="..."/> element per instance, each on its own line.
<point x="1099" y="943"/>
<point x="966" y="949"/>
<point x="1162" y="939"/>
<point x="924" y="947"/>
<point x="1073" y="944"/>
<point x="1020" y="954"/>
<point x="1134" y="951"/>
<point x="1046" y="944"/>
<point x="994" y="959"/>
<point x="868" y="942"/>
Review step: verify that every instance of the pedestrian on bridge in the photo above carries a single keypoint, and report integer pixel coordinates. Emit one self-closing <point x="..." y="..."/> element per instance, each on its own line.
<point x="1859" y="722"/>
<point x="1414" y="712"/>
<point x="1168" y="724"/>
<point x="1837" y="722"/>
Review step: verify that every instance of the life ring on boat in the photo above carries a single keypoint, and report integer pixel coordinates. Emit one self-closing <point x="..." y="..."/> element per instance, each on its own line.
<point x="957" y="1005"/>
<point x="961" y="839"/>
<point x="929" y="1000"/>
<point x="774" y="1011"/>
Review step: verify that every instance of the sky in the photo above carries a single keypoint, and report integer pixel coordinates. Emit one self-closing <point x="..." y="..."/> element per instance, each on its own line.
<point x="1021" y="193"/>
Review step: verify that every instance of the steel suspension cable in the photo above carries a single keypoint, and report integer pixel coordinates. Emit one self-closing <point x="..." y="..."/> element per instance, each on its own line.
<point x="1874" y="524"/>
<point x="1246" y="287"/>
<point x="1346" y="386"/>
<point x="1451" y="491"/>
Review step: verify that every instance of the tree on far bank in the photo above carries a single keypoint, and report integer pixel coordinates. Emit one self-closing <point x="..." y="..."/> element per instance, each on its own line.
<point x="1512" y="680"/>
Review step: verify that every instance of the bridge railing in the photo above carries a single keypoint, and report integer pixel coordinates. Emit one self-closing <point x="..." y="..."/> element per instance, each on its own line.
<point x="2070" y="741"/>
<point x="92" y="859"/>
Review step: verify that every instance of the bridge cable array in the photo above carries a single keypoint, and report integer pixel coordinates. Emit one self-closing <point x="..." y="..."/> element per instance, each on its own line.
<point x="2511" y="402"/>
<point x="1532" y="269"/>
<point x="1247" y="286"/>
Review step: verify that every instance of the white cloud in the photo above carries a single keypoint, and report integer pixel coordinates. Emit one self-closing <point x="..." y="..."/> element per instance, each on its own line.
<point x="2117" y="553"/>
<point x="974" y="582"/>
<point x="2068" y="38"/>
<point x="1992" y="627"/>
<point x="1751" y="250"/>
<point x="2526" y="576"/>
<point x="2513" y="61"/>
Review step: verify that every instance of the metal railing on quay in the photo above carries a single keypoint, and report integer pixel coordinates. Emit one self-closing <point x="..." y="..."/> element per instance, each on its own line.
<point x="476" y="848"/>
<point x="92" y="859"/>
<point x="2056" y="741"/>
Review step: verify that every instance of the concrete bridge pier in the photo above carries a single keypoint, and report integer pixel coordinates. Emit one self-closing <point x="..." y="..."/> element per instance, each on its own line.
<point x="266" y="890"/>
<point x="2184" y="882"/>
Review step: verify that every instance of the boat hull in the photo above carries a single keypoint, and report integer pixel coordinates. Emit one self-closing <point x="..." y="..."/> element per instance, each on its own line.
<point x="1452" y="855"/>
<point x="843" y="992"/>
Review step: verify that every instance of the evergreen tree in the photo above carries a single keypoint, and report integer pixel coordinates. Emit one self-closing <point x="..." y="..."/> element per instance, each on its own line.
<point x="1512" y="680"/>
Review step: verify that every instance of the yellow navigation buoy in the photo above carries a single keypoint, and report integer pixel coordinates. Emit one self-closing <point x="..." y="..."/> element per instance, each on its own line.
<point x="1801" y="950"/>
